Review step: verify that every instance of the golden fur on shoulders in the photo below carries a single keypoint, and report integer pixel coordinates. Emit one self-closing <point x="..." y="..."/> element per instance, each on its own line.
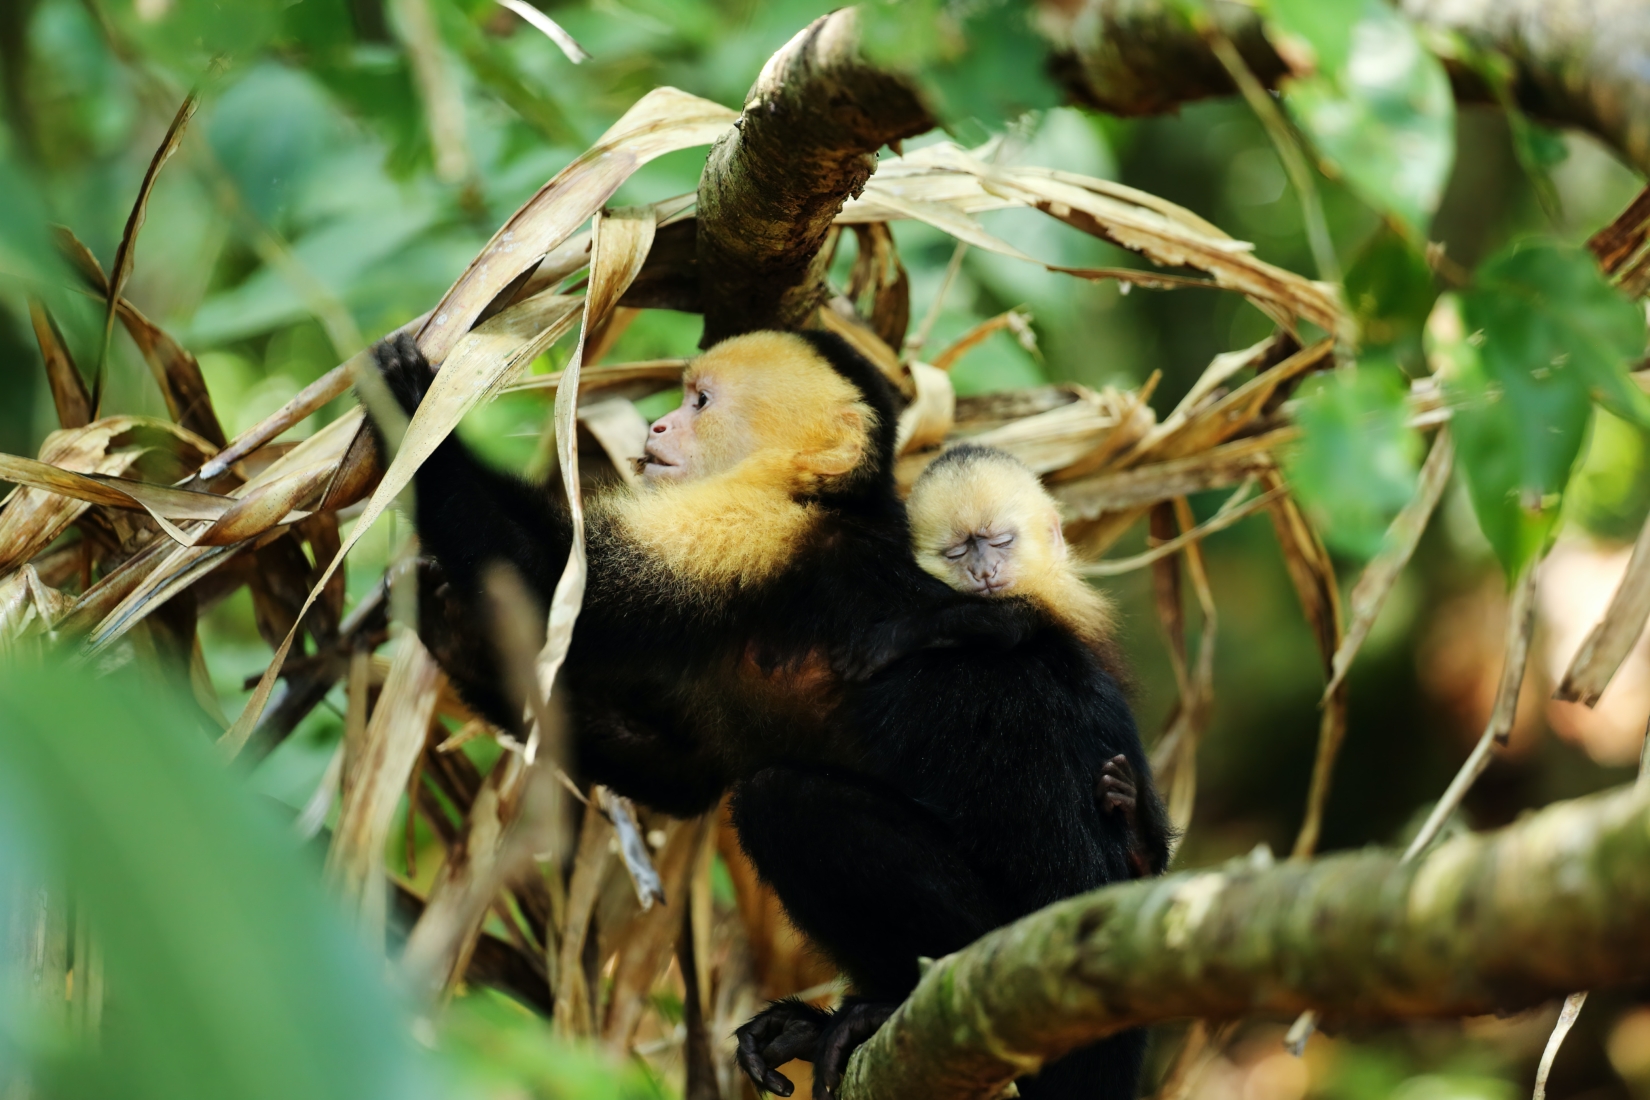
<point x="725" y="531"/>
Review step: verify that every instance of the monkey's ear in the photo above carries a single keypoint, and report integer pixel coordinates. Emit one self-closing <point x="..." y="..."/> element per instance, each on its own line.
<point x="846" y="455"/>
<point x="1056" y="536"/>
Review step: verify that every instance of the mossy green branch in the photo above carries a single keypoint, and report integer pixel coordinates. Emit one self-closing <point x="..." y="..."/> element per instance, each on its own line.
<point x="1490" y="922"/>
<point x="1575" y="62"/>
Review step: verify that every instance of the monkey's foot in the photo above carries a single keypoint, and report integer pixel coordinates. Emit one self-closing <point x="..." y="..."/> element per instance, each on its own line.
<point x="852" y="1024"/>
<point x="783" y="1031"/>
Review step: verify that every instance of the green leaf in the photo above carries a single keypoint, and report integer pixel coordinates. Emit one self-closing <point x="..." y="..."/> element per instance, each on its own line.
<point x="1390" y="290"/>
<point x="1378" y="109"/>
<point x="1355" y="466"/>
<point x="1576" y="320"/>
<point x="981" y="61"/>
<point x="229" y="973"/>
<point x="1542" y="336"/>
<point x="189" y="35"/>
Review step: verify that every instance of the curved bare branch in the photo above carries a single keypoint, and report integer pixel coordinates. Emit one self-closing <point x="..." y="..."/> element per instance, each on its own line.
<point x="807" y="141"/>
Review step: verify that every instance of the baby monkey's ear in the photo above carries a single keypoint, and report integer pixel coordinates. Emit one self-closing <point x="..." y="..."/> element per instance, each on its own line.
<point x="1057" y="536"/>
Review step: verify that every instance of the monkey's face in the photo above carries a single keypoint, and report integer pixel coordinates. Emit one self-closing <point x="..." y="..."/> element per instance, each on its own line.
<point x="701" y="436"/>
<point x="984" y="560"/>
<point x="766" y="394"/>
<point x="984" y="524"/>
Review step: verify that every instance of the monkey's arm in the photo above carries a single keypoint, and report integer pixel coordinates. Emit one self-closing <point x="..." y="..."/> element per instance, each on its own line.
<point x="999" y="624"/>
<point x="468" y="515"/>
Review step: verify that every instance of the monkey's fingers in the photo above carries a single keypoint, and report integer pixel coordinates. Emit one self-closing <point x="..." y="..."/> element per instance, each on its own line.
<point x="757" y="1069"/>
<point x="851" y="1026"/>
<point x="783" y="1031"/>
<point x="1117" y="780"/>
<point x="405" y="370"/>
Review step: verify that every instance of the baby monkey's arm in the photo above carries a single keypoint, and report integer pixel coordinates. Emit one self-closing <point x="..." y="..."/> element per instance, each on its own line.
<point x="997" y="624"/>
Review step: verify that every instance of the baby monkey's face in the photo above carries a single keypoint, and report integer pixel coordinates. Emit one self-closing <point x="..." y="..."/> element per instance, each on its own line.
<point x="984" y="559"/>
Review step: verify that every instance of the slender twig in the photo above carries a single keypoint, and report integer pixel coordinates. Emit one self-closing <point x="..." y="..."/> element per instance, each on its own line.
<point x="1566" y="1020"/>
<point x="1289" y="151"/>
<point x="1235" y="509"/>
<point x="1520" y="625"/>
<point x="1572" y="1004"/>
<point x="915" y="342"/>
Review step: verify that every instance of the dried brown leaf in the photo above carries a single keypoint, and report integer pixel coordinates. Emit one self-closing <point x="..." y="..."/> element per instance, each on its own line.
<point x="878" y="285"/>
<point x="645" y="949"/>
<point x="126" y="251"/>
<point x="630" y="380"/>
<point x="1231" y="512"/>
<point x="575" y="1003"/>
<point x="377" y="775"/>
<point x="662" y="121"/>
<point x="1122" y="490"/>
<point x="1135" y="421"/>
<point x="928" y="419"/>
<point x="1207" y="426"/>
<point x="33" y="517"/>
<point x="69" y="394"/>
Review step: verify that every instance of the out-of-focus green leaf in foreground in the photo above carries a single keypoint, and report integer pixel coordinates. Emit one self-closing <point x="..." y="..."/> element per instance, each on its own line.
<point x="228" y="975"/>
<point x="1390" y="290"/>
<point x="1541" y="336"/>
<point x="1355" y="467"/>
<point x="502" y="1050"/>
<point x="1377" y="107"/>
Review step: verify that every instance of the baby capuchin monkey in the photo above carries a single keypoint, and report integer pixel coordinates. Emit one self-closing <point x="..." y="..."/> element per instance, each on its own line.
<point x="982" y="522"/>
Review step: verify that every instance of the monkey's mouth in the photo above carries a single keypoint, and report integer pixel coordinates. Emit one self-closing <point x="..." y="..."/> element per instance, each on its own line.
<point x="651" y="463"/>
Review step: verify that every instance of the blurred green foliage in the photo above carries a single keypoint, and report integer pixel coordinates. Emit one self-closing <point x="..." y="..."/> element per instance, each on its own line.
<point x="1356" y="467"/>
<point x="235" y="977"/>
<point x="304" y="215"/>
<point x="1376" y="104"/>
<point x="1541" y="336"/>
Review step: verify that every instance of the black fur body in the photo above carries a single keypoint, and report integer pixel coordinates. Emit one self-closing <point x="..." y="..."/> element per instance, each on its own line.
<point x="901" y="815"/>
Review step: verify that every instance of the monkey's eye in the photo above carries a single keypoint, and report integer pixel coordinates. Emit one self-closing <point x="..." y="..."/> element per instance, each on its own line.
<point x="956" y="552"/>
<point x="702" y="400"/>
<point x="1002" y="540"/>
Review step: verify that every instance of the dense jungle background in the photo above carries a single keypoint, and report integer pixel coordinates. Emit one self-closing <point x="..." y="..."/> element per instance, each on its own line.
<point x="348" y="160"/>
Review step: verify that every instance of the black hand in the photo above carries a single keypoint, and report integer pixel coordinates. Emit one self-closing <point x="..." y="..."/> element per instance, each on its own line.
<point x="405" y="370"/>
<point x="851" y="1025"/>
<point x="1117" y="789"/>
<point x="784" y="1031"/>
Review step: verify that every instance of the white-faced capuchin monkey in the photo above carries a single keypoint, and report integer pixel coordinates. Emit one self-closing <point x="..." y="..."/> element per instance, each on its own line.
<point x="982" y="522"/>
<point x="898" y="813"/>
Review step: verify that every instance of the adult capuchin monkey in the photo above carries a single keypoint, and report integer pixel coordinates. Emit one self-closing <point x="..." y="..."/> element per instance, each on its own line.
<point x="898" y="815"/>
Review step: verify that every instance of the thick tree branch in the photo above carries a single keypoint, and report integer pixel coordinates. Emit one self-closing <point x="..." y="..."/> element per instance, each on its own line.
<point x="1576" y="62"/>
<point x="1491" y="922"/>
<point x="807" y="141"/>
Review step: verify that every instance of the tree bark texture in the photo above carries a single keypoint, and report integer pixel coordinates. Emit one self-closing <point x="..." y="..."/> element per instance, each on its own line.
<point x="1577" y="62"/>
<point x="806" y="142"/>
<point x="1488" y="922"/>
